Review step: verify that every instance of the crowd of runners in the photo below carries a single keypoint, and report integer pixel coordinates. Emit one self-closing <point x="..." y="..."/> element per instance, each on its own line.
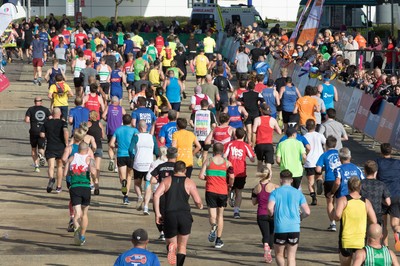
<point x="153" y="144"/>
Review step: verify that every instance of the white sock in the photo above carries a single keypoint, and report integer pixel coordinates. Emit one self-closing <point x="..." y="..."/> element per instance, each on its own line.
<point x="236" y="209"/>
<point x="333" y="222"/>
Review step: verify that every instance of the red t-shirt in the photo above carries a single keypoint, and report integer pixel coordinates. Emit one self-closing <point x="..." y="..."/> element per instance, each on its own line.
<point x="159" y="124"/>
<point x="236" y="152"/>
<point x="259" y="87"/>
<point x="79" y="38"/>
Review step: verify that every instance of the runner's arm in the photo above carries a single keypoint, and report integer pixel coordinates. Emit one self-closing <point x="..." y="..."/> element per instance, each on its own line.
<point x="194" y="193"/>
<point x="112" y="142"/>
<point x="341" y="203"/>
<point x="198" y="146"/>
<point x="256" y="123"/>
<point x="208" y="140"/>
<point x="156" y="201"/>
<point x="203" y="171"/>
<point x="305" y="210"/>
<point x="395" y="262"/>
<point x="271" y="207"/>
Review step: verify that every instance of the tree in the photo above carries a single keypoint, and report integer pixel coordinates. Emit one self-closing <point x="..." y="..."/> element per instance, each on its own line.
<point x="117" y="3"/>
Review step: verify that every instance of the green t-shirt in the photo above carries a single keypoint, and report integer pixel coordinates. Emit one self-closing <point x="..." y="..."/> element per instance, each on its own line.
<point x="139" y="66"/>
<point x="290" y="152"/>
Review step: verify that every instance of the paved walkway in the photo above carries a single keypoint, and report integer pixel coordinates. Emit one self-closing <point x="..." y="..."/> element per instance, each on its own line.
<point x="33" y="223"/>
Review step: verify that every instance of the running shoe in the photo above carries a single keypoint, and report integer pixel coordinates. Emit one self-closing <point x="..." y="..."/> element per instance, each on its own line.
<point x="267" y="254"/>
<point x="77" y="236"/>
<point x="332" y="228"/>
<point x="82" y="240"/>
<point x="116" y="170"/>
<point x="39" y="81"/>
<point x="171" y="254"/>
<point x="213" y="234"/>
<point x="124" y="189"/>
<point x="58" y="189"/>
<point x="91" y="188"/>
<point x="111" y="166"/>
<point x="97" y="191"/>
<point x="236" y="215"/>
<point x="162" y="237"/>
<point x="68" y="181"/>
<point x="70" y="227"/>
<point x="34" y="82"/>
<point x="50" y="185"/>
<point x="125" y="200"/>
<point x="139" y="203"/>
<point x="37" y="170"/>
<point x="319" y="187"/>
<point x="219" y="243"/>
<point x="232" y="198"/>
<point x="42" y="160"/>
<point x="146" y="210"/>
<point x="314" y="201"/>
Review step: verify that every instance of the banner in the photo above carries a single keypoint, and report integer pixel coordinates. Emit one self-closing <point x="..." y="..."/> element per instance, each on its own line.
<point x="310" y="28"/>
<point x="363" y="112"/>
<point x="395" y="137"/>
<point x="4" y="82"/>
<point x="7" y="11"/>
<point x="70" y="8"/>
<point x="386" y="123"/>
<point x="351" y="111"/>
<point x="373" y="121"/>
<point x="344" y="95"/>
<point x="293" y="37"/>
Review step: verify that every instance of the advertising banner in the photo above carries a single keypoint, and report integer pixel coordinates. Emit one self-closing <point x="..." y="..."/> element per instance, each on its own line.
<point x="386" y="123"/>
<point x="363" y="112"/>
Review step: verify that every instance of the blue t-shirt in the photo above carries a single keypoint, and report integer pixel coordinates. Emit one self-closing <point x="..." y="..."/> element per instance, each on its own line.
<point x="328" y="95"/>
<point x="137" y="257"/>
<point x="173" y="91"/>
<point x="287" y="202"/>
<point x="262" y="68"/>
<point x="299" y="137"/>
<point x="166" y="132"/>
<point x="128" y="46"/>
<point x="345" y="172"/>
<point x="37" y="49"/>
<point x="388" y="173"/>
<point x="143" y="113"/>
<point x="44" y="38"/>
<point x="329" y="160"/>
<point x="124" y="135"/>
<point x="79" y="114"/>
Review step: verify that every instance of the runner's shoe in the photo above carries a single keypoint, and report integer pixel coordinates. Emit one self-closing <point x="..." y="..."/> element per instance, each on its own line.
<point x="116" y="170"/>
<point x="58" y="189"/>
<point x="91" y="188"/>
<point x="319" y="187"/>
<point x="50" y="185"/>
<point x="162" y="237"/>
<point x="124" y="189"/>
<point x="111" y="166"/>
<point x="70" y="227"/>
<point x="39" y="81"/>
<point x="42" y="160"/>
<point x="82" y="240"/>
<point x="125" y="200"/>
<point x="267" y="254"/>
<point x="219" y="243"/>
<point x="139" y="203"/>
<point x="236" y="215"/>
<point x="146" y="210"/>
<point x="171" y="254"/>
<point x="37" y="170"/>
<point x="232" y="198"/>
<point x="77" y="236"/>
<point x="213" y="234"/>
<point x="97" y="191"/>
<point x="332" y="228"/>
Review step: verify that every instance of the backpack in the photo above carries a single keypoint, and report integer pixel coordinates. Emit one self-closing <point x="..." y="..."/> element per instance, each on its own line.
<point x="222" y="84"/>
<point x="60" y="88"/>
<point x="168" y="53"/>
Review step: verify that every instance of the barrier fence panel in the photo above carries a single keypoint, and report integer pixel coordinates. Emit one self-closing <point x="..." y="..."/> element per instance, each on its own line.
<point x="344" y="94"/>
<point x="352" y="108"/>
<point x="363" y="111"/>
<point x="395" y="137"/>
<point x="373" y="122"/>
<point x="386" y="123"/>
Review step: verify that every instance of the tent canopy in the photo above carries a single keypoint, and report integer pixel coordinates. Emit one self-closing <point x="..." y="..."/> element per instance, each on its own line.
<point x="344" y="2"/>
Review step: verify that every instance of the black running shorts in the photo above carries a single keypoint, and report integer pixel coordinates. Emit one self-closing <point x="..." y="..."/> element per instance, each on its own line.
<point x="215" y="200"/>
<point x="78" y="82"/>
<point x="37" y="141"/>
<point x="105" y="87"/>
<point x="265" y="153"/>
<point x="125" y="161"/>
<point x="291" y="238"/>
<point x="239" y="182"/>
<point x="328" y="185"/>
<point x="139" y="175"/>
<point x="80" y="196"/>
<point x="49" y="154"/>
<point x="310" y="171"/>
<point x="177" y="223"/>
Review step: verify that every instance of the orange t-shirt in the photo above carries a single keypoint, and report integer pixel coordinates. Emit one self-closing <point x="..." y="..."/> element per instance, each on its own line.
<point x="306" y="106"/>
<point x="362" y="43"/>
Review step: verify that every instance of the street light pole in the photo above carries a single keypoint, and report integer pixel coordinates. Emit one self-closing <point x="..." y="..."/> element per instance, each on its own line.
<point x="392" y="16"/>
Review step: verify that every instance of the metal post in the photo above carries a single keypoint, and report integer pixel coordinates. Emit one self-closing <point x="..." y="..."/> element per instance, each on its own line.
<point x="45" y="8"/>
<point x="392" y="16"/>
<point x="28" y="13"/>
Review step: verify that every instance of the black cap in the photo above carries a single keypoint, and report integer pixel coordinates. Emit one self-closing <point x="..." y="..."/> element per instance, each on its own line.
<point x="140" y="235"/>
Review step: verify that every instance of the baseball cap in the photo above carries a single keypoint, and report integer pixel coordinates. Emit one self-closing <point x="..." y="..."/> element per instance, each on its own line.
<point x="172" y="152"/>
<point x="140" y="235"/>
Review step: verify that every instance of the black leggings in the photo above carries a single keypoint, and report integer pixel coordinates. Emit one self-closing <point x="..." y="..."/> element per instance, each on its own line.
<point x="266" y="225"/>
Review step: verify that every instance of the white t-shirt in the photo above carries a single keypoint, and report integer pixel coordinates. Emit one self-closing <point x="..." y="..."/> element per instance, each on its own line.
<point x="316" y="141"/>
<point x="199" y="95"/>
<point x="144" y="152"/>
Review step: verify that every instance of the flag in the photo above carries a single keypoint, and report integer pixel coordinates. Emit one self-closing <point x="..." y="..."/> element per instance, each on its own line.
<point x="8" y="13"/>
<point x="310" y="28"/>
<point x="293" y="37"/>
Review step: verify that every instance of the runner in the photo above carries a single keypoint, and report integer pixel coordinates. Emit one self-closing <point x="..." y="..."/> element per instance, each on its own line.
<point x="221" y="134"/>
<point x="237" y="114"/>
<point x="218" y="174"/>
<point x="37" y="49"/>
<point x="169" y="129"/>
<point x="209" y="45"/>
<point x="50" y="76"/>
<point x="173" y="88"/>
<point x="242" y="61"/>
<point x="89" y="77"/>
<point x="113" y="116"/>
<point x="236" y="152"/>
<point x="55" y="131"/>
<point x="288" y="95"/>
<point x="161" y="121"/>
<point x="37" y="115"/>
<point x="177" y="219"/>
<point x="306" y="107"/>
<point x="81" y="165"/>
<point x="104" y="71"/>
<point x="251" y="101"/>
<point x="262" y="68"/>
<point x="224" y="86"/>
<point x="77" y="65"/>
<point x="59" y="93"/>
<point x="143" y="113"/>
<point x="271" y="97"/>
<point x="140" y="65"/>
<point x="328" y="93"/>
<point x="209" y="89"/>
<point x="166" y="56"/>
<point x="374" y="253"/>
<point x="317" y="142"/>
<point x="117" y="78"/>
<point x="200" y="63"/>
<point x="284" y="204"/>
<point x="96" y="130"/>
<point x="161" y="172"/>
<point x="93" y="101"/>
<point x="334" y="128"/>
<point x="123" y="137"/>
<point x="138" y="255"/>
<point x="143" y="145"/>
<point x="196" y="99"/>
<point x="260" y="195"/>
<point x="78" y="114"/>
<point x="352" y="210"/>
<point x="328" y="161"/>
<point x="184" y="140"/>
<point x="290" y="155"/>
<point x="262" y="139"/>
